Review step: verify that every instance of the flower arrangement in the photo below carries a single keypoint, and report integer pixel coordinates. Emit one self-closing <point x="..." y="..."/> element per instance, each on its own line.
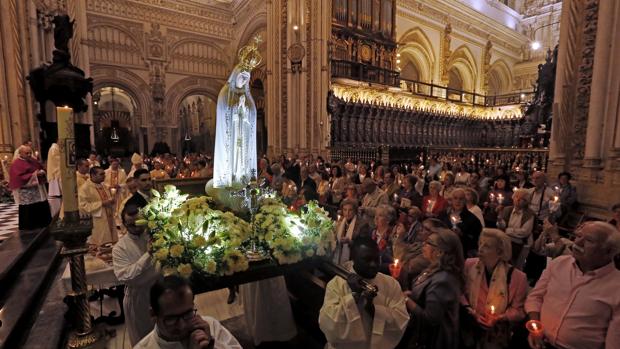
<point x="191" y="235"/>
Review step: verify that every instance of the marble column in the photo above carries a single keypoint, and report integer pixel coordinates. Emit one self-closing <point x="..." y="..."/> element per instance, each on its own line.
<point x="600" y="81"/>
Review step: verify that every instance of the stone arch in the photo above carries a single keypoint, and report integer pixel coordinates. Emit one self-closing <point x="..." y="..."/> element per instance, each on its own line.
<point x="500" y="78"/>
<point x="415" y="47"/>
<point x="130" y="82"/>
<point x="463" y="62"/>
<point x="106" y="33"/>
<point x="134" y="86"/>
<point x="190" y="86"/>
<point x="255" y="25"/>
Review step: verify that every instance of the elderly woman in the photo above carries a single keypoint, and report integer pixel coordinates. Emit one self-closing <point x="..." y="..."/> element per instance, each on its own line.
<point x="494" y="293"/>
<point x="350" y="226"/>
<point x="434" y="204"/>
<point x="433" y="300"/>
<point x="385" y="217"/>
<point x="471" y="200"/>
<point x="408" y="246"/>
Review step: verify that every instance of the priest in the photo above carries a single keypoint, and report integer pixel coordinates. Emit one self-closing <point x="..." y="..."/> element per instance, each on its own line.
<point x="82" y="173"/>
<point x="133" y="266"/>
<point x="27" y="181"/>
<point x="353" y="319"/>
<point x="95" y="200"/>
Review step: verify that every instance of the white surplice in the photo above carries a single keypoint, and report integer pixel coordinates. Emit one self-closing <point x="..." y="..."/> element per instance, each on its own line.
<point x="346" y="327"/>
<point x="267" y="310"/>
<point x="133" y="266"/>
<point x="222" y="337"/>
<point x="91" y="203"/>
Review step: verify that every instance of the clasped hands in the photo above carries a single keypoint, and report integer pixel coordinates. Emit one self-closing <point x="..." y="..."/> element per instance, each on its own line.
<point x="200" y="335"/>
<point x="360" y="293"/>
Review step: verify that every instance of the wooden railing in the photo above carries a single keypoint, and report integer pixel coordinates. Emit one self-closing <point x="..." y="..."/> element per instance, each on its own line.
<point x="371" y="74"/>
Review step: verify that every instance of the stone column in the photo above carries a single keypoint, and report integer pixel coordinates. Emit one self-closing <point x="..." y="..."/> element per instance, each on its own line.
<point x="600" y="80"/>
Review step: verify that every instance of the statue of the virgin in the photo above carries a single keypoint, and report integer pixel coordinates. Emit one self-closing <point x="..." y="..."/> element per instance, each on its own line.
<point x="235" y="130"/>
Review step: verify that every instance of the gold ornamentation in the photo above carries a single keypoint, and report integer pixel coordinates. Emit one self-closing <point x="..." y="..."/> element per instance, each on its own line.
<point x="249" y="57"/>
<point x="393" y="99"/>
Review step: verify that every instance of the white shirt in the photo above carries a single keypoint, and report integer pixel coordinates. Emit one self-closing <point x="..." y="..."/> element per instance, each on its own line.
<point x="222" y="337"/>
<point x="541" y="211"/>
<point x="518" y="232"/>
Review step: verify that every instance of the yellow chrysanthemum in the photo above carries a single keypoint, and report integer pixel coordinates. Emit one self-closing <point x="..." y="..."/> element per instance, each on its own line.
<point x="152" y="225"/>
<point x="169" y="271"/>
<point x="185" y="270"/>
<point x="161" y="254"/>
<point x="199" y="241"/>
<point x="176" y="250"/>
<point x="211" y="267"/>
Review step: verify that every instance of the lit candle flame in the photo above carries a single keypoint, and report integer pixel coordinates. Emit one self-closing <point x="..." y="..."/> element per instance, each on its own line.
<point x="396" y="262"/>
<point x="534" y="326"/>
<point x="492" y="310"/>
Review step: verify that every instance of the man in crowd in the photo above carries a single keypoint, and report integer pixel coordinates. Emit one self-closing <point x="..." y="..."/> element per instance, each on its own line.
<point x="517" y="221"/>
<point x="133" y="267"/>
<point x="373" y="198"/>
<point x="115" y="176"/>
<point x="95" y="200"/>
<point x="92" y="160"/>
<point x="347" y="229"/>
<point x="145" y="184"/>
<point x="540" y="195"/>
<point x="463" y="222"/>
<point x="353" y="318"/>
<point x="27" y="181"/>
<point x="577" y="298"/>
<point x="567" y="196"/>
<point x="82" y="174"/>
<point x="177" y="326"/>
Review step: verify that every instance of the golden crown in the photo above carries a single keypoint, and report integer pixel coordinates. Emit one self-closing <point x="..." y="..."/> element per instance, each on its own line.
<point x="249" y="57"/>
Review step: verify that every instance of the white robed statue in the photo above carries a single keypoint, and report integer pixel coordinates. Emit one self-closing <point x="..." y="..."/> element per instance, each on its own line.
<point x="235" y="130"/>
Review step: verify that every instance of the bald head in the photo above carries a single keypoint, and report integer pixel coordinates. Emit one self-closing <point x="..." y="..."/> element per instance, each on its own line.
<point x="24" y="151"/>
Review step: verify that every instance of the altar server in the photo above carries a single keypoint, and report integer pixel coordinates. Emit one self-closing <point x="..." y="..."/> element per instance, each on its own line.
<point x="267" y="310"/>
<point x="96" y="201"/>
<point x="133" y="266"/>
<point x="177" y="324"/>
<point x="351" y="318"/>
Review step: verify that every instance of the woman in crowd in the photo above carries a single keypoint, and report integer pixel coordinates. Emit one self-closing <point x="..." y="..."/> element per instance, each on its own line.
<point x="338" y="184"/>
<point x="385" y="217"/>
<point x="498" y="198"/>
<point x="494" y="293"/>
<point x="433" y="204"/>
<point x="433" y="300"/>
<point x="448" y="185"/>
<point x="471" y="198"/>
<point x="323" y="188"/>
<point x="409" y="192"/>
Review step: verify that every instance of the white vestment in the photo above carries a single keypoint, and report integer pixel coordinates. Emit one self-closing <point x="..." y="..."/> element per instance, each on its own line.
<point x="267" y="310"/>
<point x="90" y="202"/>
<point x="53" y="170"/>
<point x="343" y="323"/>
<point x="222" y="337"/>
<point x="133" y="266"/>
<point x="235" y="135"/>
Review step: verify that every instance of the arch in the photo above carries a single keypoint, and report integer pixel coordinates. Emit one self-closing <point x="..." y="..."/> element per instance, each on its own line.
<point x="190" y="86"/>
<point x="500" y="78"/>
<point x="103" y="37"/>
<point x="130" y="82"/>
<point x="256" y="24"/>
<point x="463" y="61"/>
<point x="418" y="49"/>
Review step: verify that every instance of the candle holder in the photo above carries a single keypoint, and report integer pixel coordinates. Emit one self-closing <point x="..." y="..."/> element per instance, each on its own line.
<point x="535" y="328"/>
<point x="395" y="269"/>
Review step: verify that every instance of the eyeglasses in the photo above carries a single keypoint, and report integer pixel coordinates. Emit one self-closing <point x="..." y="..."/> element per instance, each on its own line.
<point x="172" y="320"/>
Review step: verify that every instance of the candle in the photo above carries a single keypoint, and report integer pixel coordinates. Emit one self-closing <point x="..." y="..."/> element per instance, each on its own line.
<point x="492" y="310"/>
<point x="455" y="219"/>
<point x="556" y="199"/>
<point x="395" y="197"/>
<point x="36" y="154"/>
<point x="66" y="142"/>
<point x="395" y="269"/>
<point x="113" y="191"/>
<point x="492" y="197"/>
<point x="514" y="189"/>
<point x="6" y="157"/>
<point x="500" y="199"/>
<point x="339" y="217"/>
<point x="535" y="328"/>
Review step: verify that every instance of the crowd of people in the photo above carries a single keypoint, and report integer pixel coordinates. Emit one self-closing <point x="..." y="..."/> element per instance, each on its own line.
<point x="479" y="248"/>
